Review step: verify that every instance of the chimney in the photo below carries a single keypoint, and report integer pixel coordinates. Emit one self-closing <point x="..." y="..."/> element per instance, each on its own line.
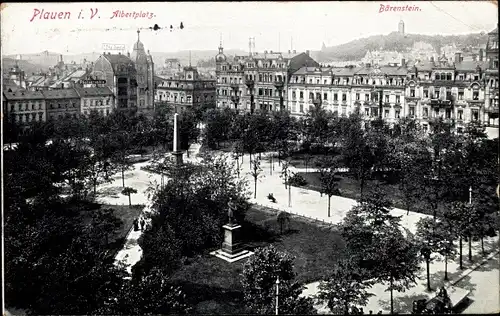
<point x="481" y="52"/>
<point x="458" y="58"/>
<point x="403" y="62"/>
<point x="307" y="52"/>
<point x="119" y="53"/>
<point x="265" y="52"/>
<point x="289" y="51"/>
<point x="128" y="54"/>
<point x="294" y="51"/>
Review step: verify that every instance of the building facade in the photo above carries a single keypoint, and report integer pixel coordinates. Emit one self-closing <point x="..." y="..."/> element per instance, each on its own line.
<point x="145" y="77"/>
<point x="120" y="75"/>
<point x="100" y="99"/>
<point x="187" y="89"/>
<point x="62" y="103"/>
<point x="257" y="81"/>
<point x="24" y="107"/>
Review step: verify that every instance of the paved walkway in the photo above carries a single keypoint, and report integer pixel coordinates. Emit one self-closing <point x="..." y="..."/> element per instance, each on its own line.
<point x="140" y="180"/>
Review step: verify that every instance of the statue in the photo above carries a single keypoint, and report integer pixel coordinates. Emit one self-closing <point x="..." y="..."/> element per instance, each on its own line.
<point x="230" y="212"/>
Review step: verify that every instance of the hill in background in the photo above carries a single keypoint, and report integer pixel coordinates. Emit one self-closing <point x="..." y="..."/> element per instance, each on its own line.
<point x="356" y="49"/>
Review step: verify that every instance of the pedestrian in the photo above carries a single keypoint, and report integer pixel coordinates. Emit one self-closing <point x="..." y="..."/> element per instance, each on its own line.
<point x="361" y="312"/>
<point x="371" y="312"/>
<point x="136" y="225"/>
<point x="143" y="223"/>
<point x="379" y="313"/>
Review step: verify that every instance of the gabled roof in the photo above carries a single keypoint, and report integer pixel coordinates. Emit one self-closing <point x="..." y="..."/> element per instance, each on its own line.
<point x="344" y="71"/>
<point x="61" y="94"/>
<point x="23" y="95"/>
<point x="313" y="71"/>
<point x="94" y="91"/>
<point x="470" y="65"/>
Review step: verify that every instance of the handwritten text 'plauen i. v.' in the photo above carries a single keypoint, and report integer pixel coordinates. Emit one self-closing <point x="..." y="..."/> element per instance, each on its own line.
<point x="92" y="14"/>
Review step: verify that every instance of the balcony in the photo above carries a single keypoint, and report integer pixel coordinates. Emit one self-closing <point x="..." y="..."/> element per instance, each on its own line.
<point x="441" y="103"/>
<point x="249" y="83"/>
<point x="492" y="109"/>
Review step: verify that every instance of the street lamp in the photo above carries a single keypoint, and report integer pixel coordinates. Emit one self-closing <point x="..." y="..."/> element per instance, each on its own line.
<point x="277" y="293"/>
<point x="426" y="253"/>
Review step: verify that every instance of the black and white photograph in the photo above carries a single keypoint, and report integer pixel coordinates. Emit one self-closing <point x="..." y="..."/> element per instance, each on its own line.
<point x="250" y="158"/>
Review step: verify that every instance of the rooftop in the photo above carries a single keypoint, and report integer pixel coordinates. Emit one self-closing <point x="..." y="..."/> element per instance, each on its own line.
<point x="94" y="91"/>
<point x="61" y="94"/>
<point x="23" y="95"/>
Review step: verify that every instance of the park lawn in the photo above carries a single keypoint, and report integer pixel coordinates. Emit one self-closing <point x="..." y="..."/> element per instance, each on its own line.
<point x="349" y="188"/>
<point x="214" y="285"/>
<point x="126" y="214"/>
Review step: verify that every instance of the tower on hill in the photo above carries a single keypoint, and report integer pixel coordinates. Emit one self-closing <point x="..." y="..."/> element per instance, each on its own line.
<point x="401" y="27"/>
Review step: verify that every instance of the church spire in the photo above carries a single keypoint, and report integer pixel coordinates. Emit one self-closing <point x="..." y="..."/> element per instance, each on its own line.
<point x="190" y="58"/>
<point x="221" y="50"/>
<point x="138" y="32"/>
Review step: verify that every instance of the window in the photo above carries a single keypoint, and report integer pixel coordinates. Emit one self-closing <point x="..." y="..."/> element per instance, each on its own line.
<point x="40" y="117"/>
<point x="374" y="112"/>
<point x="398" y="99"/>
<point x="475" y="115"/>
<point x="40" y="105"/>
<point x="398" y="112"/>
<point x="412" y="93"/>
<point x="12" y="108"/>
<point x="448" y="113"/>
<point x="311" y="96"/>
<point x="335" y="97"/>
<point x="386" y="113"/>
<point x="301" y="95"/>
<point x="261" y="91"/>
<point x="412" y="111"/>
<point x="426" y="112"/>
<point x="460" y="95"/>
<point x="107" y="101"/>
<point x="301" y="108"/>
<point x="448" y="76"/>
<point x="344" y="111"/>
<point x="325" y="96"/>
<point x="310" y="80"/>
<point x="460" y="130"/>
<point x="107" y="111"/>
<point x="357" y="96"/>
<point x="367" y="112"/>
<point x="344" y="97"/>
<point x="294" y="95"/>
<point x="318" y="95"/>
<point x="32" y="106"/>
<point x="436" y="95"/>
<point x="460" y="114"/>
<point x="475" y="95"/>
<point x="425" y="128"/>
<point x="426" y="93"/>
<point x="386" y="98"/>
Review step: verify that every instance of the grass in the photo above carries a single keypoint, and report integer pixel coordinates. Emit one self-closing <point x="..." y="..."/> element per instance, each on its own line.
<point x="125" y="214"/>
<point x="214" y="285"/>
<point x="350" y="188"/>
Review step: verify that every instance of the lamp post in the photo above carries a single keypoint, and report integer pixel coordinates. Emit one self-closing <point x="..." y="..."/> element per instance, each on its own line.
<point x="277" y="293"/>
<point x="470" y="236"/>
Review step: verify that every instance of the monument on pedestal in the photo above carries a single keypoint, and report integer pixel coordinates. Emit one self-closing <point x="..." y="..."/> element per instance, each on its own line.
<point x="232" y="248"/>
<point x="177" y="153"/>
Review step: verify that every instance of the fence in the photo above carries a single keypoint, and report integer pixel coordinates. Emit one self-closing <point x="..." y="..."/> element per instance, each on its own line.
<point x="276" y="207"/>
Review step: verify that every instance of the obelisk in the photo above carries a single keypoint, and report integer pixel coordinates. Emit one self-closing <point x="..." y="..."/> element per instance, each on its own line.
<point x="177" y="153"/>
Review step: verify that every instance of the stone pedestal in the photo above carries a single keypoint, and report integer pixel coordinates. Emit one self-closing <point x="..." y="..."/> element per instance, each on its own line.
<point x="232" y="248"/>
<point x="178" y="157"/>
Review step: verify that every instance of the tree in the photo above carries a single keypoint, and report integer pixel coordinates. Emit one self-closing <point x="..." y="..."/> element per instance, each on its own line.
<point x="375" y="240"/>
<point x="255" y="172"/>
<point x="428" y="238"/>
<point x="398" y="260"/>
<point x="344" y="289"/>
<point x="282" y="218"/>
<point x="150" y="294"/>
<point x="128" y="191"/>
<point x="444" y="245"/>
<point x="259" y="277"/>
<point x="121" y="143"/>
<point x="329" y="184"/>
<point x="355" y="150"/>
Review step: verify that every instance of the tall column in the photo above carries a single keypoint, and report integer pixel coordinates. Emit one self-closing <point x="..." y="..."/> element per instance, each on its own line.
<point x="177" y="153"/>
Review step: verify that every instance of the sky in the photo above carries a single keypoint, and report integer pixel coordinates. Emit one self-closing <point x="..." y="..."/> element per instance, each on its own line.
<point x="274" y="25"/>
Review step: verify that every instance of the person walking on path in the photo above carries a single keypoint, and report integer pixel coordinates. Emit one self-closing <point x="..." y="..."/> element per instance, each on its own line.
<point x="143" y="223"/>
<point x="136" y="225"/>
